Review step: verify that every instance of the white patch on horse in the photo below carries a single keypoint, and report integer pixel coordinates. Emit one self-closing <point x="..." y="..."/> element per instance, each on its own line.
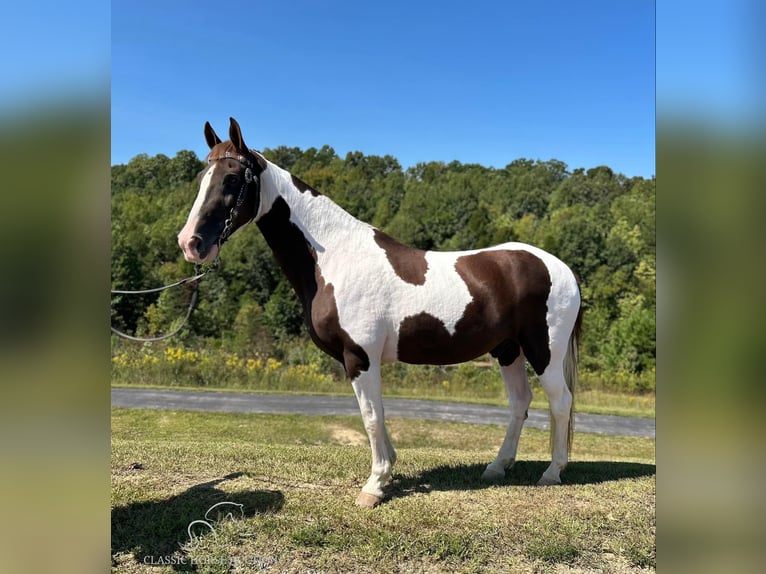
<point x="273" y="185"/>
<point x="373" y="300"/>
<point x="204" y="186"/>
<point x="185" y="235"/>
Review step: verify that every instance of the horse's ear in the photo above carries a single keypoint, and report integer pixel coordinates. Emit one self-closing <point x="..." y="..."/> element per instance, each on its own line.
<point x="210" y="136"/>
<point x="235" y="135"/>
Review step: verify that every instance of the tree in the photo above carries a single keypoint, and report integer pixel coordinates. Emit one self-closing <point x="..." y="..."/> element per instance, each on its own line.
<point x="631" y="341"/>
<point x="437" y="203"/>
<point x="576" y="234"/>
<point x="251" y="335"/>
<point x="285" y="157"/>
<point x="599" y="186"/>
<point x="283" y="313"/>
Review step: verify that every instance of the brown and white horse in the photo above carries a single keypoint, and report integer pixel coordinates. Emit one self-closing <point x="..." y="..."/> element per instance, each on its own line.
<point x="368" y="299"/>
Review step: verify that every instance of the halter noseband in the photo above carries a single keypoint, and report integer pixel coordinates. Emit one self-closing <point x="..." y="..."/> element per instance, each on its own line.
<point x="250" y="177"/>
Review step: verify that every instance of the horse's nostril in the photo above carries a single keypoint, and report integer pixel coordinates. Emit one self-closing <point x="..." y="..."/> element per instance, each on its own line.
<point x="197" y="244"/>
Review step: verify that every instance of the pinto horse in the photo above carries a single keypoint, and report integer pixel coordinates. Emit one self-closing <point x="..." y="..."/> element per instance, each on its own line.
<point x="368" y="299"/>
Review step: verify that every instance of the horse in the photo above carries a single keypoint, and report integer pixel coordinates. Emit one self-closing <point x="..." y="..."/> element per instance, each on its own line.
<point x="369" y="299"/>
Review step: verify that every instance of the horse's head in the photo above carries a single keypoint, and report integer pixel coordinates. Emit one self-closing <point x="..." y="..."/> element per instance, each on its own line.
<point x="228" y="198"/>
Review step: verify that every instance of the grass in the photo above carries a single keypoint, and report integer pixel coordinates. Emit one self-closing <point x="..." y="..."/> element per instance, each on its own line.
<point x="297" y="478"/>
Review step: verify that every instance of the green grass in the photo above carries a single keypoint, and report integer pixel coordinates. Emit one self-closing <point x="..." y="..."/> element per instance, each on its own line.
<point x="297" y="478"/>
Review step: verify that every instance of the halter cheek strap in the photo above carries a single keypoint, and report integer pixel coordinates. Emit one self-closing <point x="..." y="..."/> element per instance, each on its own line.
<point x="250" y="178"/>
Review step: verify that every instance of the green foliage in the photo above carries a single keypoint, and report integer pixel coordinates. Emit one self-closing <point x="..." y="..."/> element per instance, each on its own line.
<point x="283" y="313"/>
<point x="630" y="343"/>
<point x="601" y="223"/>
<point x="251" y="334"/>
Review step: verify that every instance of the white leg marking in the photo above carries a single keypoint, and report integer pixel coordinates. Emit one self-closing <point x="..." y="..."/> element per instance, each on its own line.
<point x="560" y="401"/>
<point x="368" y="393"/>
<point x="519" y="397"/>
<point x="563" y="306"/>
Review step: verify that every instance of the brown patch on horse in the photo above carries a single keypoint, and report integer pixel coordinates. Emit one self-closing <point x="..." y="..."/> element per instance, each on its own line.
<point x="303" y="187"/>
<point x="509" y="290"/>
<point x="297" y="259"/>
<point x="407" y="262"/>
<point x="424" y="340"/>
<point x="291" y="250"/>
<point x="325" y="323"/>
<point x="523" y="284"/>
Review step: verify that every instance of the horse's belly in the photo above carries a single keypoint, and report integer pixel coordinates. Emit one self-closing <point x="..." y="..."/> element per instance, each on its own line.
<point x="424" y="340"/>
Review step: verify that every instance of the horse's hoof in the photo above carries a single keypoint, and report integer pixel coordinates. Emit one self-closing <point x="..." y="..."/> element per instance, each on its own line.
<point x="367" y="500"/>
<point x="492" y="475"/>
<point x="545" y="481"/>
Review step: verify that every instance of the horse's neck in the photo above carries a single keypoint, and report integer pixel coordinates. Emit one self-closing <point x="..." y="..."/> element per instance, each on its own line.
<point x="298" y="224"/>
<point x="320" y="219"/>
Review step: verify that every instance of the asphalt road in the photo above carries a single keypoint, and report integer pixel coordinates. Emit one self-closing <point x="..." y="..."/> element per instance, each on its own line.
<point x="346" y="406"/>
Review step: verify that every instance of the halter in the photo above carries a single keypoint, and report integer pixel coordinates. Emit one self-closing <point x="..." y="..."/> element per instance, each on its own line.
<point x="250" y="177"/>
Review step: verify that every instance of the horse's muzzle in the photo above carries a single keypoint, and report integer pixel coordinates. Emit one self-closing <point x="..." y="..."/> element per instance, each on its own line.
<point x="195" y="250"/>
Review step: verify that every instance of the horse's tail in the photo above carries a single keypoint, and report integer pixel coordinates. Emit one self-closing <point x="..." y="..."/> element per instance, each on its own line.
<point x="571" y="360"/>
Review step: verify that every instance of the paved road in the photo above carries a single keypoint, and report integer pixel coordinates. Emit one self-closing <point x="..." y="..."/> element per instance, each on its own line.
<point x="402" y="408"/>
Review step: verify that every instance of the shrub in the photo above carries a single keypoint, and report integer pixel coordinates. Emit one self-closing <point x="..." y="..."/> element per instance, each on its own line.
<point x="301" y="367"/>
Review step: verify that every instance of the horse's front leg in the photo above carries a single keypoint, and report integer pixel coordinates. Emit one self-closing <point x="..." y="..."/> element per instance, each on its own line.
<point x="369" y="395"/>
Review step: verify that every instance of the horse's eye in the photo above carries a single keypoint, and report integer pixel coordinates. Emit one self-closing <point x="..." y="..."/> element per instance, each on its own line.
<point x="231" y="179"/>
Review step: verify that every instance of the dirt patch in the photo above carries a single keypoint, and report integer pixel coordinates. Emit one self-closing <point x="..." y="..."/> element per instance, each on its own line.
<point x="347" y="436"/>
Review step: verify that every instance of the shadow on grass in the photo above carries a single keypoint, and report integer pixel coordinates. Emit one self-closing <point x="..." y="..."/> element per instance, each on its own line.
<point x="154" y="531"/>
<point x="523" y="473"/>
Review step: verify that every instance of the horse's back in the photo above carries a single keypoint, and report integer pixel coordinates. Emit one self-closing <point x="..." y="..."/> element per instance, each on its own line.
<point x="516" y="267"/>
<point x="559" y="270"/>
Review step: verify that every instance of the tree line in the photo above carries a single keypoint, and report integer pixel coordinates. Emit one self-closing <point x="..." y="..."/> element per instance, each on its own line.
<point x="601" y="223"/>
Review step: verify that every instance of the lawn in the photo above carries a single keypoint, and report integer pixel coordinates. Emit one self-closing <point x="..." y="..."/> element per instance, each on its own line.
<point x="296" y="478"/>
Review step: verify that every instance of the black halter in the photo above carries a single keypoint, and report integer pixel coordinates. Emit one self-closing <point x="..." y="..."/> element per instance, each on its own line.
<point x="250" y="177"/>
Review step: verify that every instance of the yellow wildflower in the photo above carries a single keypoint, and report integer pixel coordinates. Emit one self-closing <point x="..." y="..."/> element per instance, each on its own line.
<point x="272" y="364"/>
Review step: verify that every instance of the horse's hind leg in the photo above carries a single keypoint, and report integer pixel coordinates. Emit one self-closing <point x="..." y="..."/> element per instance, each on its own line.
<point x="560" y="401"/>
<point x="519" y="397"/>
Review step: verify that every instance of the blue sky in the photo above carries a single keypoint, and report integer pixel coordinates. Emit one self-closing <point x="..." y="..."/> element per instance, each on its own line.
<point x="484" y="82"/>
<point x="711" y="63"/>
<point x="53" y="51"/>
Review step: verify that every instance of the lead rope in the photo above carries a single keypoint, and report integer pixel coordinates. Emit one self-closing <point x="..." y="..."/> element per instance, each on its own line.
<point x="192" y="302"/>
